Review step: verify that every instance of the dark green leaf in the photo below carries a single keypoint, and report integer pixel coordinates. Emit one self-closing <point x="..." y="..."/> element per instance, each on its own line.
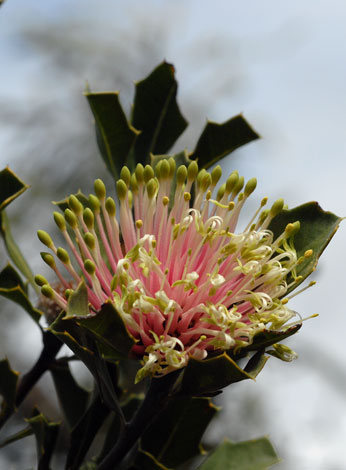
<point x="317" y="227"/>
<point x="146" y="461"/>
<point x="250" y="455"/>
<point x="212" y="374"/>
<point x="132" y="404"/>
<point x="63" y="204"/>
<point x="8" y="387"/>
<point x="72" y="397"/>
<point x="14" y="251"/>
<point x="218" y="140"/>
<point x="108" y="329"/>
<point x="267" y="338"/>
<point x="84" y="433"/>
<point x="17" y="436"/>
<point x="46" y="433"/>
<point x="84" y="346"/>
<point x="10" y="187"/>
<point x="115" y="136"/>
<point x="12" y="287"/>
<point x="174" y="437"/>
<point x="156" y="113"/>
<point x="78" y="304"/>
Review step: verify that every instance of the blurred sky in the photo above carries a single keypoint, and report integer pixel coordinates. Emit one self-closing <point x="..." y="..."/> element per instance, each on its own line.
<point x="283" y="65"/>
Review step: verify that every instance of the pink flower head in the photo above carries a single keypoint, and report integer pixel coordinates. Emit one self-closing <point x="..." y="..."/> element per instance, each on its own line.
<point x="181" y="276"/>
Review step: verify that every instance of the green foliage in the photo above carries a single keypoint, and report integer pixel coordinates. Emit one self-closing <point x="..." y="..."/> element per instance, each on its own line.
<point x="212" y="374"/>
<point x="155" y="125"/>
<point x="12" y="287"/>
<point x="115" y="136"/>
<point x="85" y="431"/>
<point x="66" y="386"/>
<point x="218" y="140"/>
<point x="250" y="455"/>
<point x="317" y="227"/>
<point x="156" y="113"/>
<point x="11" y="186"/>
<point x="46" y="433"/>
<point x="166" y="438"/>
<point x="8" y="387"/>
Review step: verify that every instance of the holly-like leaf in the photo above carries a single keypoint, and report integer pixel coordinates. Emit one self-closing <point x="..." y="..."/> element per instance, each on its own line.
<point x="115" y="136"/>
<point x="85" y="431"/>
<point x="46" y="433"/>
<point x="14" y="251"/>
<point x="174" y="437"/>
<point x="108" y="329"/>
<point x="12" y="287"/>
<point x="218" y="140"/>
<point x="129" y="408"/>
<point x="267" y="338"/>
<point x="146" y="461"/>
<point x="63" y="204"/>
<point x="78" y="304"/>
<point x="156" y="113"/>
<point x="257" y="454"/>
<point x="11" y="186"/>
<point x="72" y="397"/>
<point x="212" y="374"/>
<point x="317" y="227"/>
<point x="8" y="387"/>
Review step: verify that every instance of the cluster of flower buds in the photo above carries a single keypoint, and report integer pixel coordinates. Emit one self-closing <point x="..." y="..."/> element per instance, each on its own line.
<point x="181" y="276"/>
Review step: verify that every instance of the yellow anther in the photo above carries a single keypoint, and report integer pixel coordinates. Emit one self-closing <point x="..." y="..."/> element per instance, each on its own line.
<point x="110" y="206"/>
<point x="192" y="171"/>
<point x="139" y="223"/>
<point x="125" y="175"/>
<point x="75" y="204"/>
<point x="121" y="189"/>
<point x="187" y="196"/>
<point x="45" y="238"/>
<point x="139" y="172"/>
<point x="148" y="173"/>
<point x="100" y="189"/>
<point x="308" y="253"/>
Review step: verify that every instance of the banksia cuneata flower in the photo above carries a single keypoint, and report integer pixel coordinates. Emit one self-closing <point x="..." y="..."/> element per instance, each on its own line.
<point x="181" y="276"/>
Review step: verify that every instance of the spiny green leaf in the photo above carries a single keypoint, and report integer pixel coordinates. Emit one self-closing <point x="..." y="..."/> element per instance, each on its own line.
<point x="11" y="186"/>
<point x="85" y="431"/>
<point x="218" y="140"/>
<point x="12" y="287"/>
<point x="72" y="397"/>
<point x="166" y="438"/>
<point x="212" y="374"/>
<point x="156" y="113"/>
<point x="108" y="329"/>
<point x="85" y="347"/>
<point x="14" y="251"/>
<point x="267" y="338"/>
<point x="145" y="461"/>
<point x="8" y="387"/>
<point x="257" y="454"/>
<point x="115" y="136"/>
<point x="129" y="408"/>
<point x="317" y="228"/>
<point x="78" y="304"/>
<point x="17" y="436"/>
<point x="46" y="433"/>
<point x="63" y="204"/>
